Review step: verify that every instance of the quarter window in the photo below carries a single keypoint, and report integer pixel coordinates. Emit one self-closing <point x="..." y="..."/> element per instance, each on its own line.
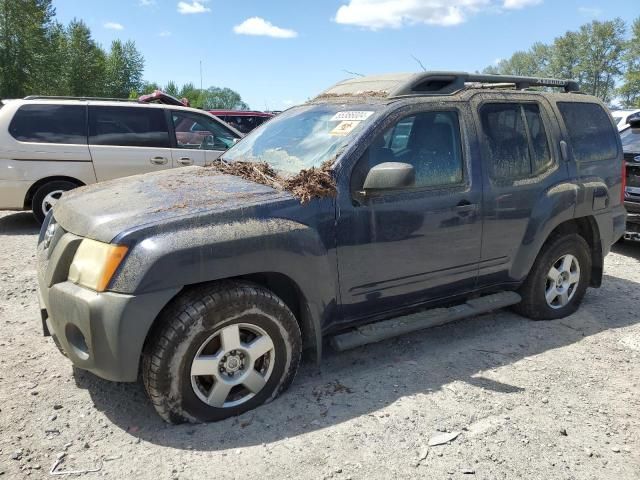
<point x="429" y="141"/>
<point x="128" y="127"/>
<point x="66" y="124"/>
<point x="590" y="131"/>
<point x="515" y="139"/>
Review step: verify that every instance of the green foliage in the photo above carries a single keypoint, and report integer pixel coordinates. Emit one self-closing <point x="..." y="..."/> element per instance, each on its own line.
<point x="597" y="56"/>
<point x="40" y="56"/>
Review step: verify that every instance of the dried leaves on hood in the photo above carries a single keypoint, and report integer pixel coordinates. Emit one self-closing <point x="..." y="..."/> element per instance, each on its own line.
<point x="307" y="184"/>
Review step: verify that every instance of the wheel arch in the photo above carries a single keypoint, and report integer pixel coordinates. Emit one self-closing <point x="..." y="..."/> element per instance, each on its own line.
<point x="43" y="181"/>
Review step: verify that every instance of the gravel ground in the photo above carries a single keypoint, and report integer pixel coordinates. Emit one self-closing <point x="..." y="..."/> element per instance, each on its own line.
<point x="535" y="400"/>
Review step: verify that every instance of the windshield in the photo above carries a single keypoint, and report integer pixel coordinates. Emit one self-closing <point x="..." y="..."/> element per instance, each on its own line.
<point x="302" y="137"/>
<point x="631" y="140"/>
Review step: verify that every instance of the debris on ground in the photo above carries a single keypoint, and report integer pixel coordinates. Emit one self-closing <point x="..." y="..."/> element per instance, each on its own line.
<point x="314" y="182"/>
<point x="443" y="438"/>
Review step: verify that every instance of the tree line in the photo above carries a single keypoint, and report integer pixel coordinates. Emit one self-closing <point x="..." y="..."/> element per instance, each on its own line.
<point x="604" y="57"/>
<point x="41" y="56"/>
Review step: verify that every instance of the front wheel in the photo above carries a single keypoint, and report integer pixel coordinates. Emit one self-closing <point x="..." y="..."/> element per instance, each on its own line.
<point x="220" y="350"/>
<point x="558" y="280"/>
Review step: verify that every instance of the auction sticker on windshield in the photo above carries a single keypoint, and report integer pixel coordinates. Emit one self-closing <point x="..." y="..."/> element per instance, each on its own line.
<point x="344" y="128"/>
<point x="358" y="116"/>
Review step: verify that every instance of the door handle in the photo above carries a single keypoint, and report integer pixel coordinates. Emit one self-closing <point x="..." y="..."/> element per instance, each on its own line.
<point x="185" y="161"/>
<point x="464" y="207"/>
<point x="159" y="160"/>
<point x="564" y="150"/>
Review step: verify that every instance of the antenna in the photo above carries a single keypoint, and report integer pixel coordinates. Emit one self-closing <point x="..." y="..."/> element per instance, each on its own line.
<point x="200" y="75"/>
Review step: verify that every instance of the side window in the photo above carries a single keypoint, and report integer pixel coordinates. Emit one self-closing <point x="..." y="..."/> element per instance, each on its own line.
<point x="128" y="127"/>
<point x="198" y="131"/>
<point x="515" y="140"/>
<point x="540" y="153"/>
<point x="429" y="141"/>
<point x="590" y="131"/>
<point x="66" y="124"/>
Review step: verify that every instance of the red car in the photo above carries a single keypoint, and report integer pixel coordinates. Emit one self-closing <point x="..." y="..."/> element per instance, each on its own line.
<point x="242" y="120"/>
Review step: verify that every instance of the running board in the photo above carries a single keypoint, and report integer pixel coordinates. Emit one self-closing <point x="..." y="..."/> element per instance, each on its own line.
<point x="375" y="332"/>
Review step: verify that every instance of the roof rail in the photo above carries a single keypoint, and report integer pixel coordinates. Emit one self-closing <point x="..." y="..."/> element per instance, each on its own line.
<point x="53" y="97"/>
<point x="442" y="83"/>
<point x="437" y="83"/>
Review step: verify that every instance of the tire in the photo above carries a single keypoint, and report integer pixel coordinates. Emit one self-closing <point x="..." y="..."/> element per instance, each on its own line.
<point x="191" y="336"/>
<point x="558" y="252"/>
<point x="46" y="196"/>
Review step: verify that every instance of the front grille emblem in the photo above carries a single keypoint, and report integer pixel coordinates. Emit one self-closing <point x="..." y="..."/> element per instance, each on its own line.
<point x="636" y="158"/>
<point x="49" y="234"/>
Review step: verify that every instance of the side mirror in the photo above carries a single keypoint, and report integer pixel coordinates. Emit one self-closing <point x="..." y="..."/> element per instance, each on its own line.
<point x="390" y="176"/>
<point x="634" y="121"/>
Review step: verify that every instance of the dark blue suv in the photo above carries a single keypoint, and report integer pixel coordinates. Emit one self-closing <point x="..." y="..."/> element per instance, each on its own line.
<point x="385" y="205"/>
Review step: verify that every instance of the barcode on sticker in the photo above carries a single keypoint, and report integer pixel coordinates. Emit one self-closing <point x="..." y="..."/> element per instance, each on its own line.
<point x="351" y="115"/>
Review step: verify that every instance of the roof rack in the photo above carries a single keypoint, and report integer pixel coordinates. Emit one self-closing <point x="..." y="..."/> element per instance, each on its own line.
<point x="438" y="83"/>
<point x="53" y="97"/>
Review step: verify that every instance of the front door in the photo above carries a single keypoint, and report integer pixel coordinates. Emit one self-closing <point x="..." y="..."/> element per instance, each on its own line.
<point x="198" y="139"/>
<point x="400" y="248"/>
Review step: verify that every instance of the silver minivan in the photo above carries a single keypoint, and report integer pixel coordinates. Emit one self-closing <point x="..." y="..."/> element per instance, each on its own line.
<point x="51" y="145"/>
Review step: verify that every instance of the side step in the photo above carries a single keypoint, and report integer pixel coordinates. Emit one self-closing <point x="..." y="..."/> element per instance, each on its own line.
<point x="378" y="331"/>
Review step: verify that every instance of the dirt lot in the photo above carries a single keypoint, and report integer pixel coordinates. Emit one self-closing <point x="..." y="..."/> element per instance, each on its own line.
<point x="546" y="400"/>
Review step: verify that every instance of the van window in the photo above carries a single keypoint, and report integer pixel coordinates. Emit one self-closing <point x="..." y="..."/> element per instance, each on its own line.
<point x="590" y="131"/>
<point x="198" y="131"/>
<point x="128" y="127"/>
<point x="65" y="124"/>
<point x="516" y="140"/>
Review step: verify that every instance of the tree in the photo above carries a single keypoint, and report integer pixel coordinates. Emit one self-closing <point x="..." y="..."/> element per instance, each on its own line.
<point x="630" y="89"/>
<point x="600" y="49"/>
<point x="86" y="62"/>
<point x="23" y="45"/>
<point x="222" y="98"/>
<point x="172" y="89"/>
<point x="123" y="69"/>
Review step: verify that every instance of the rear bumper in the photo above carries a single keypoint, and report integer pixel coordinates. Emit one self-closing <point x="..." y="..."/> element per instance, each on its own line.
<point x="101" y="332"/>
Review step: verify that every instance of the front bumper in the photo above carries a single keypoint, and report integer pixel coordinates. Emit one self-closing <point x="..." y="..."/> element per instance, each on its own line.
<point x="103" y="333"/>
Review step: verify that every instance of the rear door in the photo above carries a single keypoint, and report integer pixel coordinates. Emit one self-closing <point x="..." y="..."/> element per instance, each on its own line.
<point x="128" y="140"/>
<point x="521" y="164"/>
<point x="198" y="139"/>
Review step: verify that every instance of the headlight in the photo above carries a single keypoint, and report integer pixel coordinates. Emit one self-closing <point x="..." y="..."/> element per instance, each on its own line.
<point x="95" y="263"/>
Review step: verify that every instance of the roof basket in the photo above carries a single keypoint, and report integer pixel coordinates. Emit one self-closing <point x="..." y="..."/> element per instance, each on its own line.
<point x="437" y="83"/>
<point x="444" y="83"/>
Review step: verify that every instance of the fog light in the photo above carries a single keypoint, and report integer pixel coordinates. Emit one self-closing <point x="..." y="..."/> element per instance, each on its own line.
<point x="76" y="341"/>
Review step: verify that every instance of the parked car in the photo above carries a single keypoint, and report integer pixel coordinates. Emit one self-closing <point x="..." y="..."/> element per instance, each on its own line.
<point x="623" y="117"/>
<point x="242" y="120"/>
<point x="51" y="145"/>
<point x="631" y="145"/>
<point x="425" y="191"/>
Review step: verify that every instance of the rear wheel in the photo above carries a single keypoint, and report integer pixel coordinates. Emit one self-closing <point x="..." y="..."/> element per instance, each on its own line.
<point x="220" y="350"/>
<point x="47" y="196"/>
<point x="558" y="280"/>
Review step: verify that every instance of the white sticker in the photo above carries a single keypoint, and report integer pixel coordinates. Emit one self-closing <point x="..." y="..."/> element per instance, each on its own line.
<point x="344" y="128"/>
<point x="351" y="115"/>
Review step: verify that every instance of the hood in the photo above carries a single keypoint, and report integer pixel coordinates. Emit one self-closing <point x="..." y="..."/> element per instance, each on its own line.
<point x="102" y="211"/>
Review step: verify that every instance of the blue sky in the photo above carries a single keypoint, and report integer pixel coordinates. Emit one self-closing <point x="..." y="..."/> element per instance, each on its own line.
<point x="281" y="52"/>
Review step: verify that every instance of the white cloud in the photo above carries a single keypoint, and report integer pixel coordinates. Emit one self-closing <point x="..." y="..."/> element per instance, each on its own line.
<point x="147" y="3"/>
<point x="195" y="6"/>
<point x="377" y="14"/>
<point x="260" y="26"/>
<point x="590" y="11"/>
<point x="113" y="26"/>
<point x="518" y="4"/>
<point x="165" y="33"/>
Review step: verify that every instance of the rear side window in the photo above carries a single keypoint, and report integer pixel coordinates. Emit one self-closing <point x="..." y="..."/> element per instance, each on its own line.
<point x="128" y="127"/>
<point x="516" y="140"/>
<point x="65" y="124"/>
<point x="590" y="131"/>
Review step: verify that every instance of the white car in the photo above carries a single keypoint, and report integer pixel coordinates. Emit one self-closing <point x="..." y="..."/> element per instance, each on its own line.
<point x="621" y="117"/>
<point x="50" y="145"/>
